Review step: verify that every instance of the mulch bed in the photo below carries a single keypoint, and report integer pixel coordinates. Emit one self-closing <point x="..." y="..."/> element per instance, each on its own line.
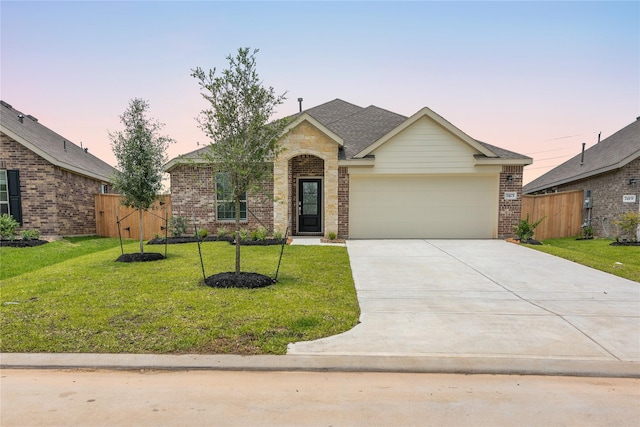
<point x="242" y="280"/>
<point x="138" y="257"/>
<point x="526" y="242"/>
<point x="22" y="243"/>
<point x="192" y="239"/>
<point x="624" y="244"/>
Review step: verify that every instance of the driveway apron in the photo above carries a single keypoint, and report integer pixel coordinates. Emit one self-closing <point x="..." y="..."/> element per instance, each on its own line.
<point x="483" y="298"/>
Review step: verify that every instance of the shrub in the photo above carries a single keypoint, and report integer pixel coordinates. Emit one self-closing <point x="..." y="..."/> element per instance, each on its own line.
<point x="8" y="227"/>
<point x="244" y="234"/>
<point x="261" y="234"/>
<point x="587" y="232"/>
<point x="223" y="232"/>
<point x="30" y="235"/>
<point x="178" y="226"/>
<point x="202" y="233"/>
<point x="525" y="229"/>
<point x="629" y="222"/>
<point x="277" y="234"/>
<point x="332" y="235"/>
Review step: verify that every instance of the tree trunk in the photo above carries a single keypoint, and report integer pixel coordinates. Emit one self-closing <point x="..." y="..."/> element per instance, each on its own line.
<point x="141" y="232"/>
<point x="237" y="206"/>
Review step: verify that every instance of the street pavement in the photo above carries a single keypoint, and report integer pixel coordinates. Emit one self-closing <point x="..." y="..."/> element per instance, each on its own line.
<point x="221" y="398"/>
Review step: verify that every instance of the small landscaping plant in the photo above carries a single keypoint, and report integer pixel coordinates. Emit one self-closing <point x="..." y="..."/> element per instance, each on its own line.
<point x="526" y="229"/>
<point x="277" y="235"/>
<point x="587" y="232"/>
<point x="244" y="234"/>
<point x="261" y="234"/>
<point x="202" y="233"/>
<point x="30" y="235"/>
<point x="222" y="232"/>
<point x="628" y="223"/>
<point x="332" y="235"/>
<point x="8" y="227"/>
<point x="178" y="226"/>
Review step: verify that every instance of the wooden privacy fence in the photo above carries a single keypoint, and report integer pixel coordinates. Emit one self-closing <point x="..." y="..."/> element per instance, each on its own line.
<point x="109" y="209"/>
<point x="563" y="212"/>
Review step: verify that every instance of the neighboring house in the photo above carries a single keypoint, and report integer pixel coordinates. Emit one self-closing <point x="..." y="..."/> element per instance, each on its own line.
<point x="608" y="173"/>
<point x="367" y="173"/>
<point x="47" y="182"/>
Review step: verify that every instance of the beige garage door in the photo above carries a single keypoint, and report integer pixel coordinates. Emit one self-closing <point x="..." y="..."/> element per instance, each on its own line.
<point x="423" y="207"/>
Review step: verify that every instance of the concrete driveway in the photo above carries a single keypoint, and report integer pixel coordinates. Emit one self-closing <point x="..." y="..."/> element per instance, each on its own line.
<point x="483" y="299"/>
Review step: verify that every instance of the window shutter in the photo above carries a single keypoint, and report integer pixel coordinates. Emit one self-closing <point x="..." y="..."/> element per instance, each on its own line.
<point x="15" y="202"/>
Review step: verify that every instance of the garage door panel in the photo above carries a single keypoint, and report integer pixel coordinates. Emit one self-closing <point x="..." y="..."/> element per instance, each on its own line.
<point x="423" y="207"/>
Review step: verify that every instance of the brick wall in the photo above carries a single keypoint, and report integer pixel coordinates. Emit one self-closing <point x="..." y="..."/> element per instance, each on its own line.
<point x="193" y="192"/>
<point x="607" y="190"/>
<point x="54" y="201"/>
<point x="343" y="202"/>
<point x="76" y="203"/>
<point x="509" y="211"/>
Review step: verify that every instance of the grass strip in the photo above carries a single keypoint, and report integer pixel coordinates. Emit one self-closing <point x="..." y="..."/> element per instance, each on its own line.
<point x="622" y="261"/>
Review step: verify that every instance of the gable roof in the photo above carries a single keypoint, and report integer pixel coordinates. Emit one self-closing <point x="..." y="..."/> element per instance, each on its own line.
<point x="360" y="130"/>
<point x="426" y="112"/>
<point x="609" y="154"/>
<point x="59" y="151"/>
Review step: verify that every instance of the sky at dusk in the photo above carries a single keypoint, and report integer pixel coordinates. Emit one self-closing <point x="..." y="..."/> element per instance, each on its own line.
<point x="538" y="78"/>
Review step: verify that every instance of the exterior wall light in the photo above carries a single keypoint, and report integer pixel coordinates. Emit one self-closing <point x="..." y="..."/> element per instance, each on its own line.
<point x="509" y="178"/>
<point x="632" y="181"/>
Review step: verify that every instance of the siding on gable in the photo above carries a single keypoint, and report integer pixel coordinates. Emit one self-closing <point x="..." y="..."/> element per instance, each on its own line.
<point x="424" y="147"/>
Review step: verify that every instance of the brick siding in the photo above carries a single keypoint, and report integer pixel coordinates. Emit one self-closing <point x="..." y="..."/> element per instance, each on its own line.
<point x="509" y="211"/>
<point x="56" y="202"/>
<point x="193" y="193"/>
<point x="343" y="202"/>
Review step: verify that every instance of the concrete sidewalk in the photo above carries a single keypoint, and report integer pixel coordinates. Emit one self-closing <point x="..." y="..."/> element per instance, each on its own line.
<point x="485" y="299"/>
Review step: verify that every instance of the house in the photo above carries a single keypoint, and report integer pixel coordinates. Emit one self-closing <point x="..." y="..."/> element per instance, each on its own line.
<point x="47" y="182"/>
<point x="608" y="173"/>
<point x="366" y="173"/>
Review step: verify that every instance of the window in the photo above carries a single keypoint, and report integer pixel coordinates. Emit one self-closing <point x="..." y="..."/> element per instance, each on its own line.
<point x="4" y="193"/>
<point x="225" y="208"/>
<point x="10" y="201"/>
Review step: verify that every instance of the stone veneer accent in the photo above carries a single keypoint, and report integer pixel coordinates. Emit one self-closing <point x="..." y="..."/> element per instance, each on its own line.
<point x="509" y="211"/>
<point x="193" y="192"/>
<point x="306" y="140"/>
<point x="55" y="201"/>
<point x="607" y="190"/>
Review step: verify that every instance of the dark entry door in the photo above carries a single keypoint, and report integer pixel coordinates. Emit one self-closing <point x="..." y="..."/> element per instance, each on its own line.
<point x="309" y="205"/>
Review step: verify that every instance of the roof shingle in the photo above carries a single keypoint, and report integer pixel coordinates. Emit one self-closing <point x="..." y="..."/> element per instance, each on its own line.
<point x="611" y="153"/>
<point x="59" y="150"/>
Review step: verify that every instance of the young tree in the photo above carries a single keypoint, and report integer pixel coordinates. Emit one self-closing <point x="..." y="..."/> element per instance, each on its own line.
<point x="140" y="152"/>
<point x="244" y="140"/>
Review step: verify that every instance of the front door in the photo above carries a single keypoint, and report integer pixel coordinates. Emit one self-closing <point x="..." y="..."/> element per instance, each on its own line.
<point x="309" y="205"/>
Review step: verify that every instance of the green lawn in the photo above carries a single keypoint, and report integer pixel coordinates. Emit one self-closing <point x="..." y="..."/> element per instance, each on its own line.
<point x="72" y="296"/>
<point x="623" y="261"/>
<point x="16" y="261"/>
